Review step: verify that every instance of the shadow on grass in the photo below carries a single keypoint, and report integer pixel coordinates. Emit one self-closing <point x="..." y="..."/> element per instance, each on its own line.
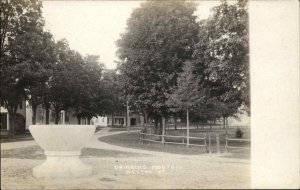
<point x="37" y="153"/>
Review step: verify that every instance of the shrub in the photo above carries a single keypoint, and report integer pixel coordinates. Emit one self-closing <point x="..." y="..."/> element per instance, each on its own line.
<point x="239" y="133"/>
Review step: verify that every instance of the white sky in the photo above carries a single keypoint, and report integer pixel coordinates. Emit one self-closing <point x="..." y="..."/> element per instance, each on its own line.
<point x="92" y="27"/>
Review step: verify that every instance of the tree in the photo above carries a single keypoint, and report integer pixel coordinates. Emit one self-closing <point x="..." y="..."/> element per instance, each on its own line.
<point x="113" y="100"/>
<point x="19" y="18"/>
<point x="65" y="80"/>
<point x="222" y="58"/>
<point x="40" y="56"/>
<point x="90" y="93"/>
<point x="188" y="92"/>
<point x="160" y="37"/>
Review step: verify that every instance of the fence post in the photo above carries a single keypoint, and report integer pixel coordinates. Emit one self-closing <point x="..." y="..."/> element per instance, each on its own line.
<point x="226" y="143"/>
<point x="206" y="142"/>
<point x="142" y="137"/>
<point x="218" y="143"/>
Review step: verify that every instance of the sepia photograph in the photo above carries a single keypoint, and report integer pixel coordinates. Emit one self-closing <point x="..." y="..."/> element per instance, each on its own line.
<point x="150" y="94"/>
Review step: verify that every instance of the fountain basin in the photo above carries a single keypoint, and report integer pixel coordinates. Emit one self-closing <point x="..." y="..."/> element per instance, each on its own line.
<point x="62" y="145"/>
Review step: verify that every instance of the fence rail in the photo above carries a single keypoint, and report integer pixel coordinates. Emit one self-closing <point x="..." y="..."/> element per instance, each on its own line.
<point x="227" y="147"/>
<point x="163" y="141"/>
<point x="204" y="141"/>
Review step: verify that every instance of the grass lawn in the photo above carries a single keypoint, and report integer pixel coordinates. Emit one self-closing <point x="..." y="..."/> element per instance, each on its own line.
<point x="132" y="140"/>
<point x="212" y="133"/>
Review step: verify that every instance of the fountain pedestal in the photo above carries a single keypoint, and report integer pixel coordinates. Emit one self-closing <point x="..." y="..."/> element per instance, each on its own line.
<point x="62" y="145"/>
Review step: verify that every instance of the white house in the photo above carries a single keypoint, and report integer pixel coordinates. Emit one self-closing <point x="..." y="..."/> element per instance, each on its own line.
<point x="20" y="121"/>
<point x="99" y="121"/>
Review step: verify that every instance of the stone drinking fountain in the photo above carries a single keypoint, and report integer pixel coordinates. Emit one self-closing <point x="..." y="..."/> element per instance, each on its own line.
<point x="62" y="145"/>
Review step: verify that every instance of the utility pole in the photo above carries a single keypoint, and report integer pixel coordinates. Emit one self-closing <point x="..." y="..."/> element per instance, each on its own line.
<point x="187" y="128"/>
<point x="128" y="119"/>
<point x="163" y="130"/>
<point x="63" y="117"/>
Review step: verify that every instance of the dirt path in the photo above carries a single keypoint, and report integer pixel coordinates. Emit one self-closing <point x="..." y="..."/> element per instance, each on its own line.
<point x="132" y="168"/>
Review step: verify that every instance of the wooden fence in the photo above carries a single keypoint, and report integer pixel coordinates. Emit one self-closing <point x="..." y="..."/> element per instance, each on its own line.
<point x="227" y="147"/>
<point x="205" y="141"/>
<point x="184" y="140"/>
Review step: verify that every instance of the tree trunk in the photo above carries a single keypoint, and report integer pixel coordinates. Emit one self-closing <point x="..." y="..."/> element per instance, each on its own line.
<point x="224" y="124"/>
<point x="78" y="119"/>
<point x="146" y="118"/>
<point x="89" y="121"/>
<point x="175" y="122"/>
<point x="57" y="117"/>
<point x="47" y="114"/>
<point x="12" y="117"/>
<point x="155" y="125"/>
<point x="210" y="125"/>
<point x="112" y="120"/>
<point x="12" y="124"/>
<point x="226" y="121"/>
<point x="163" y="122"/>
<point x="34" y="107"/>
<point x="160" y="125"/>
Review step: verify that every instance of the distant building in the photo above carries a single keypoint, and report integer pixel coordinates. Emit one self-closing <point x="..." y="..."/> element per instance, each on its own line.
<point x="100" y="121"/>
<point x="24" y="118"/>
<point x="67" y="116"/>
<point x="20" y="121"/>
<point x="242" y="119"/>
<point x="119" y="119"/>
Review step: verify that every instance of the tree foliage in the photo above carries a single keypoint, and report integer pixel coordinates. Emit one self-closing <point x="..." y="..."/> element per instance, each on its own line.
<point x="113" y="98"/>
<point x="188" y="93"/>
<point x="35" y="67"/>
<point x="222" y="54"/>
<point x="90" y="94"/>
<point x="160" y="37"/>
<point x="21" y="21"/>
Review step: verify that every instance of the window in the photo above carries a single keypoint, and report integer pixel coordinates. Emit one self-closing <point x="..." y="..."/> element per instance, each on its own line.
<point x="122" y="121"/>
